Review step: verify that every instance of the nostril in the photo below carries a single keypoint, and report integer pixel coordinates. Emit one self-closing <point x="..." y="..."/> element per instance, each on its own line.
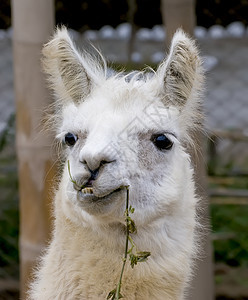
<point x="84" y="162"/>
<point x="104" y="162"/>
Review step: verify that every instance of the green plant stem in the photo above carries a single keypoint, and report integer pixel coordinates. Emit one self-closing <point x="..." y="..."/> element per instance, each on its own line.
<point x="69" y="171"/>
<point x="118" y="288"/>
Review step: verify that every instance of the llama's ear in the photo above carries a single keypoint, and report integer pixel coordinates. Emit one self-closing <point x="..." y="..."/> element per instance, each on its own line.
<point x="67" y="71"/>
<point x="181" y="73"/>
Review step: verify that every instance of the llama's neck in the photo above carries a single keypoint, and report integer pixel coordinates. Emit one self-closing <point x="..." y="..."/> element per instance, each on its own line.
<point x="104" y="248"/>
<point x="176" y="229"/>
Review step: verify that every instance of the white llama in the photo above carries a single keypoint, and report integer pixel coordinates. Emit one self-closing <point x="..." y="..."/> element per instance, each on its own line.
<point x="119" y="131"/>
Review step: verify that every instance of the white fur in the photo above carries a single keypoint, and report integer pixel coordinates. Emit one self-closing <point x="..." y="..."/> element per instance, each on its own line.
<point x="114" y="119"/>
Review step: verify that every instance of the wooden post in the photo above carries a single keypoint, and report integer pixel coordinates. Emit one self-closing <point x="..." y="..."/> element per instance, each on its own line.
<point x="181" y="14"/>
<point x="33" y="23"/>
<point x="178" y="13"/>
<point x="202" y="285"/>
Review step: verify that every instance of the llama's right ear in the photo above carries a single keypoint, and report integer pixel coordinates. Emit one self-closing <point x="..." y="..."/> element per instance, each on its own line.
<point x="67" y="72"/>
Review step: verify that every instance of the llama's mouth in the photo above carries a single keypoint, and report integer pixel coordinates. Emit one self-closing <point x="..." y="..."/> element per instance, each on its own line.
<point x="98" y="203"/>
<point x="88" y="193"/>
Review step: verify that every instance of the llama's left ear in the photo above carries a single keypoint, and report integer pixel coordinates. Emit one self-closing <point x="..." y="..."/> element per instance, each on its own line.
<point x="68" y="73"/>
<point x="181" y="73"/>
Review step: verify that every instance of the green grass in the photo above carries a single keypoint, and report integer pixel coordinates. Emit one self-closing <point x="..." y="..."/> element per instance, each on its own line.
<point x="230" y="224"/>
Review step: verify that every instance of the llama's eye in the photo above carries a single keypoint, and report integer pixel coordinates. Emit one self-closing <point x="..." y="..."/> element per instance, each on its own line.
<point x="70" y="139"/>
<point x="162" y="142"/>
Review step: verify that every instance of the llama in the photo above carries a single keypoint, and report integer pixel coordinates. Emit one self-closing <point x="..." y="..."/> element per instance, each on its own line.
<point x="120" y="130"/>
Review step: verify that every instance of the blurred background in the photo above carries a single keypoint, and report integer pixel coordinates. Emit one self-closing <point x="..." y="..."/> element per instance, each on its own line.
<point x="132" y="34"/>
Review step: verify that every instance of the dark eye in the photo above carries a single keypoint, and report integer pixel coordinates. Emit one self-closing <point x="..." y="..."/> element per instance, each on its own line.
<point x="70" y="139"/>
<point x="162" y="142"/>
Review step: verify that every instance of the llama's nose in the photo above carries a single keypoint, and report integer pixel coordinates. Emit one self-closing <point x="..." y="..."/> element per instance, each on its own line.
<point x="93" y="174"/>
<point x="94" y="161"/>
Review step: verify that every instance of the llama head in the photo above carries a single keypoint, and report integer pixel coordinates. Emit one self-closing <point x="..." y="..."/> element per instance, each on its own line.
<point x="124" y="130"/>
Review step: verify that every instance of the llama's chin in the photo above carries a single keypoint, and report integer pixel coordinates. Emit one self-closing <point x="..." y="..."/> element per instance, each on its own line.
<point x="97" y="203"/>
